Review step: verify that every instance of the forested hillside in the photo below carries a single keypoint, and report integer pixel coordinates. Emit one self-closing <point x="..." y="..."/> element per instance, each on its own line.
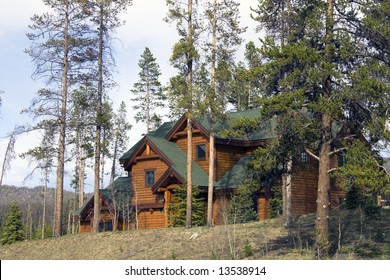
<point x="30" y="202"/>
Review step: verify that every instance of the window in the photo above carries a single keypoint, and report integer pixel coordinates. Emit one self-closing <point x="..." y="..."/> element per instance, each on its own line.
<point x="149" y="177"/>
<point x="342" y="160"/>
<point x="304" y="157"/>
<point x="101" y="226"/>
<point x="201" y="152"/>
<point x="109" y="226"/>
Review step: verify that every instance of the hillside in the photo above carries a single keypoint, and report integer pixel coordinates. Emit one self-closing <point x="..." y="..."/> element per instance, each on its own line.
<point x="362" y="237"/>
<point x="30" y="200"/>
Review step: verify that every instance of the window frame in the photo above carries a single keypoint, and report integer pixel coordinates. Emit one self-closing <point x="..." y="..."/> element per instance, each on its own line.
<point x="197" y="152"/>
<point x="303" y="157"/>
<point x="146" y="177"/>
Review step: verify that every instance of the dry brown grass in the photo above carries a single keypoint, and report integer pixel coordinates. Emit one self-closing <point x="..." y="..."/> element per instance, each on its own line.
<point x="258" y="240"/>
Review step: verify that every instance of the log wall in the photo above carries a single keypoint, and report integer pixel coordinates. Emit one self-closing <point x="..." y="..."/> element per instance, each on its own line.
<point x="226" y="158"/>
<point x="141" y="193"/>
<point x="304" y="181"/>
<point x="151" y="218"/>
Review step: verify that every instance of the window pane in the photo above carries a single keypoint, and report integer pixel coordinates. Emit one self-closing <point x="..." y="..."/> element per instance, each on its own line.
<point x="304" y="157"/>
<point x="201" y="151"/>
<point x="109" y="226"/>
<point x="149" y="178"/>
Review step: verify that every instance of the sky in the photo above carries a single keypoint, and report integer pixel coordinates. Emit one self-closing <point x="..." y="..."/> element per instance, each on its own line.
<point x="144" y="27"/>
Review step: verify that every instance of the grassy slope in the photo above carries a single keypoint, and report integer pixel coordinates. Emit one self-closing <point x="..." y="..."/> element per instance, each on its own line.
<point x="361" y="238"/>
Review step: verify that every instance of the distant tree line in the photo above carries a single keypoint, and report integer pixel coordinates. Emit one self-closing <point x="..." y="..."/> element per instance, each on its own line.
<point x="29" y="202"/>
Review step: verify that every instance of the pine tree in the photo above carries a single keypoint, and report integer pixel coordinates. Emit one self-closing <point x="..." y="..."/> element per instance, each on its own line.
<point x="224" y="22"/>
<point x="120" y="130"/>
<point x="245" y="84"/>
<point x="105" y="16"/>
<point x="148" y="90"/>
<point x="362" y="172"/>
<point x="43" y="157"/>
<point x="183" y="58"/>
<point x="81" y="118"/>
<point x="178" y="207"/>
<point x="59" y="42"/>
<point x="321" y="85"/>
<point x="13" y="229"/>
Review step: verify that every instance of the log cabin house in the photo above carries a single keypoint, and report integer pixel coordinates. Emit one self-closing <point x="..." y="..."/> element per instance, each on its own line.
<point x="156" y="165"/>
<point x="115" y="208"/>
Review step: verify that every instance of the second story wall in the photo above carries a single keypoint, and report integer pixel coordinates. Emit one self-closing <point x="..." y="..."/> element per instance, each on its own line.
<point x="142" y="192"/>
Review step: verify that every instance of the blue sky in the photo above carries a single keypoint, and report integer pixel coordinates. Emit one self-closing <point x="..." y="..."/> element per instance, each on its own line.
<point x="144" y="28"/>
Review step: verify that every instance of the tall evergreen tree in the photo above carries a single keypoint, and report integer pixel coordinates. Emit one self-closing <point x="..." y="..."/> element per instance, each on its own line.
<point x="120" y="130"/>
<point x="59" y="43"/>
<point x="223" y="18"/>
<point x="320" y="87"/>
<point x="105" y="15"/>
<point x="245" y="85"/>
<point x="82" y="116"/>
<point x="43" y="158"/>
<point x="13" y="229"/>
<point x="183" y="58"/>
<point x="148" y="90"/>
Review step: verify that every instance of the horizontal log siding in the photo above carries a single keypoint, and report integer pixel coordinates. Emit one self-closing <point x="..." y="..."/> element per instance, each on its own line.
<point x="304" y="182"/>
<point x="220" y="209"/>
<point x="226" y="158"/>
<point x="262" y="207"/>
<point x="197" y="139"/>
<point x="85" y="227"/>
<point x="142" y="193"/>
<point x="153" y="218"/>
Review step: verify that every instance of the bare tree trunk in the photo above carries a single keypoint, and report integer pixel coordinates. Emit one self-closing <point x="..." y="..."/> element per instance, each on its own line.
<point x="29" y="222"/>
<point x="44" y="202"/>
<point x="287" y="207"/>
<point x="96" y="208"/>
<point x="7" y="157"/>
<point x="189" y="122"/>
<point x="81" y="176"/>
<point x="62" y="129"/>
<point x="212" y="136"/>
<point x="147" y="102"/>
<point x="211" y="181"/>
<point x="113" y="168"/>
<point x="323" y="200"/>
<point x="102" y="155"/>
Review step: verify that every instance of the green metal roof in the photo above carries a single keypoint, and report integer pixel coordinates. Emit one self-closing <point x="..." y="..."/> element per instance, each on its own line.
<point x="236" y="175"/>
<point x="265" y="129"/>
<point x="161" y="132"/>
<point x="179" y="160"/>
<point x="121" y="190"/>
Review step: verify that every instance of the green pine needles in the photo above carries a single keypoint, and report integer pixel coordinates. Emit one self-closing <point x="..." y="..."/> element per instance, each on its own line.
<point x="13" y="230"/>
<point x="177" y="209"/>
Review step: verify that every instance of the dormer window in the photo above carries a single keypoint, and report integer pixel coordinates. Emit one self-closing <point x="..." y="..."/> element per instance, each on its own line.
<point x="201" y="152"/>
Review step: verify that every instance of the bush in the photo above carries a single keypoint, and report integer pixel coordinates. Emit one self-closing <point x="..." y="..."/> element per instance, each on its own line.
<point x="248" y="251"/>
